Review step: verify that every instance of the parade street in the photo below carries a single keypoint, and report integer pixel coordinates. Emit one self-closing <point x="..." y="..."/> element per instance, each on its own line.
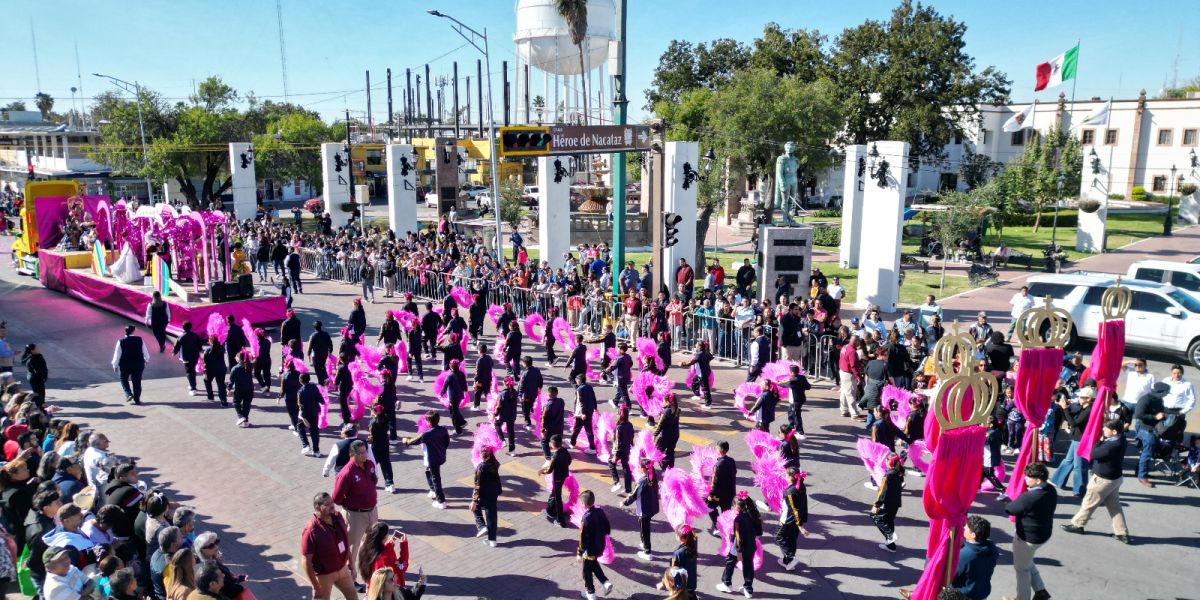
<point x="254" y="489"/>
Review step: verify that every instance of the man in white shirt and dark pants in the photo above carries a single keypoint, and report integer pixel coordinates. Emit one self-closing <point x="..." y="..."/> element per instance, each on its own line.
<point x="1182" y="397"/>
<point x="1020" y="302"/>
<point x="129" y="361"/>
<point x="1138" y="381"/>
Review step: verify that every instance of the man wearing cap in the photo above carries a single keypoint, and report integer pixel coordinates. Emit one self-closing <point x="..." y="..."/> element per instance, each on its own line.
<point x="1078" y="414"/>
<point x="64" y="581"/>
<point x="981" y="330"/>
<point x="40" y="522"/>
<point x="1149" y="412"/>
<point x="129" y="361"/>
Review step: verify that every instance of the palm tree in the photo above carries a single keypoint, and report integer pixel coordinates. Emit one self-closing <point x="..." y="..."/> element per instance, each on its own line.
<point x="44" y="103"/>
<point x="575" y="14"/>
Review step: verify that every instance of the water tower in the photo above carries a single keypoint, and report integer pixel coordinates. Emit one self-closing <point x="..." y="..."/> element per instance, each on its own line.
<point x="544" y="45"/>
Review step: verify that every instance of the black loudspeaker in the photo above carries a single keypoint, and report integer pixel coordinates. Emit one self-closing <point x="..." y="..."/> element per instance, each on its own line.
<point x="216" y="292"/>
<point x="245" y="284"/>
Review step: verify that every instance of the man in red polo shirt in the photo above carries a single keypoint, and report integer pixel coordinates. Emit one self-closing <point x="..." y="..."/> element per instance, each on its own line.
<point x="325" y="551"/>
<point x="685" y="276"/>
<point x="633" y="314"/>
<point x="718" y="273"/>
<point x="355" y="492"/>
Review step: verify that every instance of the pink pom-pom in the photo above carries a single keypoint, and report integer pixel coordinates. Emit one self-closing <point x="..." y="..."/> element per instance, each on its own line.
<point x="493" y="314"/>
<point x="610" y="554"/>
<point x="704" y="460"/>
<point x="770" y="475"/>
<point x="744" y="396"/>
<point x="612" y="353"/>
<point x="648" y="350"/>
<point x="251" y="337"/>
<point x="659" y="387"/>
<point x="535" y="328"/>
<point x="323" y="420"/>
<point x="563" y="334"/>
<point x="461" y="296"/>
<point x="682" y="496"/>
<point x="643" y="447"/>
<point x="407" y="320"/>
<point x="422" y="425"/>
<point x="606" y="427"/>
<point x="760" y="441"/>
<point x="486" y="436"/>
<point x="217" y="326"/>
<point x="873" y="456"/>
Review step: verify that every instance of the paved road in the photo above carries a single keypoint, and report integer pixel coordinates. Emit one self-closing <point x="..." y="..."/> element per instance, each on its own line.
<point x="254" y="488"/>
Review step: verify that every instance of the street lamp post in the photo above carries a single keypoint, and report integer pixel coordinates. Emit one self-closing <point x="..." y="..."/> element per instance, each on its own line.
<point x="462" y="30"/>
<point x="1171" y="192"/>
<point x="137" y="92"/>
<point x="1061" y="180"/>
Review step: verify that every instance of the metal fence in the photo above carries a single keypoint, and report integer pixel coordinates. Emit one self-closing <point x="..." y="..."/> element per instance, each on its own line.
<point x="727" y="339"/>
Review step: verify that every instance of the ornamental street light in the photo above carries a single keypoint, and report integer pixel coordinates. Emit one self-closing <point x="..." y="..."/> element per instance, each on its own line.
<point x="1171" y="192"/>
<point x="470" y="35"/>
<point x="135" y="89"/>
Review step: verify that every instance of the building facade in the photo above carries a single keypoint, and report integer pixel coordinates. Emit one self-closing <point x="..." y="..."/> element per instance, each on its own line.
<point x="31" y="148"/>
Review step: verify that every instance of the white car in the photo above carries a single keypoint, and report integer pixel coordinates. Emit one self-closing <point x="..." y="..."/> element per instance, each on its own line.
<point x="1161" y="318"/>
<point x="484" y="200"/>
<point x="1185" y="276"/>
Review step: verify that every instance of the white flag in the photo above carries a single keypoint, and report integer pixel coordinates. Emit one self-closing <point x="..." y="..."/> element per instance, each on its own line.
<point x="1097" y="118"/>
<point x="1020" y="120"/>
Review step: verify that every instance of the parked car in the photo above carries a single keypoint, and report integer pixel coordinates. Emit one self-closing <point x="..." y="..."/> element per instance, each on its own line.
<point x="484" y="201"/>
<point x="1185" y="276"/>
<point x="1161" y="318"/>
<point x="474" y="190"/>
<point x="529" y="195"/>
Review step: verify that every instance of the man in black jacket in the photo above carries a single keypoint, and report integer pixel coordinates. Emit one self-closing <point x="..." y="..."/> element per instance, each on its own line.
<point x="235" y="341"/>
<point x="483" y="374"/>
<point x="506" y="412"/>
<point x="1105" y="485"/>
<point x="129" y="361"/>
<point x="278" y="253"/>
<point x="486" y="494"/>
<point x="531" y="384"/>
<point x="1078" y="414"/>
<point x="1148" y="413"/>
<point x="745" y="278"/>
<point x="188" y="347"/>
<point x="789" y="335"/>
<point x="585" y="407"/>
<point x="1034" y="511"/>
<point x="558" y="466"/>
<point x="320" y="346"/>
<point x="40" y="522"/>
<point x="241" y="383"/>
<point x="293" y="266"/>
<point x="430" y="323"/>
<point x="722" y="486"/>
<point x="592" y="534"/>
<point x="552" y="419"/>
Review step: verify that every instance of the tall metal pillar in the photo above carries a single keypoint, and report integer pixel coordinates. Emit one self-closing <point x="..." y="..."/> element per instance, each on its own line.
<point x="618" y="160"/>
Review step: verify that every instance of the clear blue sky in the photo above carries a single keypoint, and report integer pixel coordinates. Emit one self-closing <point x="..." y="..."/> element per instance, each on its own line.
<point x="169" y="44"/>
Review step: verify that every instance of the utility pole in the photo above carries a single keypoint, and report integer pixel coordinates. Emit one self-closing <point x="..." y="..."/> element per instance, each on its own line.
<point x="618" y="159"/>
<point x="455" y="86"/>
<point x="429" y="101"/>
<point x="391" y="115"/>
<point x="370" y="118"/>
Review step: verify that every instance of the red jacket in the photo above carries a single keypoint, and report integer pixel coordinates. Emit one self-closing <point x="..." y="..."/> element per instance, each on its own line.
<point x="848" y="361"/>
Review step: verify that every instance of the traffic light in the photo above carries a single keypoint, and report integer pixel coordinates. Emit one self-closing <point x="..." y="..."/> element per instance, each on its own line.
<point x="525" y="141"/>
<point x="670" y="229"/>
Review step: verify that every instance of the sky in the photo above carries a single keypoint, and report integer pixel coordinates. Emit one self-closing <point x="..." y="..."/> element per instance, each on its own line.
<point x="169" y="45"/>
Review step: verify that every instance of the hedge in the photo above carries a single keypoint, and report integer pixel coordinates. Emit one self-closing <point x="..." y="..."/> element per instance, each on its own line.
<point x="1066" y="218"/>
<point x="828" y="236"/>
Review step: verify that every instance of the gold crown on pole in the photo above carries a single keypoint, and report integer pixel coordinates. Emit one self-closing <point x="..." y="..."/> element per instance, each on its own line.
<point x="1115" y="301"/>
<point x="1044" y="326"/>
<point x="948" y="348"/>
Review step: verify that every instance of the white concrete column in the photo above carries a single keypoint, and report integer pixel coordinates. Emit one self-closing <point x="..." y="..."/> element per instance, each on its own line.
<point x="852" y="207"/>
<point x="682" y="202"/>
<point x="882" y="221"/>
<point x="1091" y="228"/>
<point x="402" y="189"/>
<point x="335" y="178"/>
<point x="554" y="209"/>
<point x="244" y="189"/>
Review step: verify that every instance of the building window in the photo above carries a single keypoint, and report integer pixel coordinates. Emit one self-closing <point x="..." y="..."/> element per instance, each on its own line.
<point x="986" y="137"/>
<point x="1110" y="137"/>
<point x="1088" y="138"/>
<point x="1159" y="184"/>
<point x="1164" y="137"/>
<point x="1018" y="138"/>
<point x="958" y="138"/>
<point x="911" y="180"/>
<point x="1189" y="137"/>
<point x="948" y="181"/>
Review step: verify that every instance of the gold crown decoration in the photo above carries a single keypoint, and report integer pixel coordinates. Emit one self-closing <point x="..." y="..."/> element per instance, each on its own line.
<point x="984" y="389"/>
<point x="955" y="345"/>
<point x="1115" y="301"/>
<point x="1044" y="326"/>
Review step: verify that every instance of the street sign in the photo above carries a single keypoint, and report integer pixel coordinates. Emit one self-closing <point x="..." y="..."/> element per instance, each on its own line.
<point x="598" y="139"/>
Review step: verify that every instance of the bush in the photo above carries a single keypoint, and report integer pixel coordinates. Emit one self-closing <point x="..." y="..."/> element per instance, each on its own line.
<point x="347" y="207"/>
<point x="1187" y="189"/>
<point x="1116" y="196"/>
<point x="1139" y="194"/>
<point x="1065" y="219"/>
<point x="827" y="236"/>
<point x="828" y="212"/>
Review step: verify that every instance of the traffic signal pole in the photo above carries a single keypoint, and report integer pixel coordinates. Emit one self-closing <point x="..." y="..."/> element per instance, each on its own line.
<point x="617" y="159"/>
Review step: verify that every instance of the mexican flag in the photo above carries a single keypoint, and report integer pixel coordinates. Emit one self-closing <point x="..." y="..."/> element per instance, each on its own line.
<point x="1059" y="69"/>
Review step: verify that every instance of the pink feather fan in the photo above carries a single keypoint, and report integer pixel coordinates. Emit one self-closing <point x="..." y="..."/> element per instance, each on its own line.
<point x="779" y="371"/>
<point x="217" y="326"/>
<point x="922" y="458"/>
<point x="486" y="436"/>
<point x="683" y="497"/>
<point x="331" y="366"/>
<point x="770" y="475"/>
<point x="704" y="460"/>
<point x="744" y="396"/>
<point x="493" y="314"/>
<point x="461" y="296"/>
<point x="647" y="349"/>
<point x="295" y="362"/>
<point x="323" y="419"/>
<point x="498" y="353"/>
<point x="873" y="456"/>
<point x="422" y="425"/>
<point x="535" y="328"/>
<point x="369" y="354"/>
<point x="652" y="403"/>
<point x="606" y="427"/>
<point x="539" y="404"/>
<point x="366" y="388"/>
<point x="251" y="337"/>
<point x="407" y="320"/>
<point x="691" y="376"/>
<point x="561" y="330"/>
<point x="760" y="441"/>
<point x="725" y="526"/>
<point x="400" y="350"/>
<point x="643" y="446"/>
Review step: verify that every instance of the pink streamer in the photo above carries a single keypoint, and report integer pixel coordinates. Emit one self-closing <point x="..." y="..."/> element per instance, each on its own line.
<point x="1035" y="387"/>
<point x="1105" y="368"/>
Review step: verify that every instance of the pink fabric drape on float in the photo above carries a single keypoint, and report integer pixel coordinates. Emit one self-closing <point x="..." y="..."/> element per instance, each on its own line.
<point x="1105" y="368"/>
<point x="1036" y="377"/>
<point x="51" y="214"/>
<point x="949" y="491"/>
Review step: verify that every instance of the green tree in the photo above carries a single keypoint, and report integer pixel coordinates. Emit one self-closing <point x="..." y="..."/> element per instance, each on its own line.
<point x="910" y="79"/>
<point x="963" y="213"/>
<point x="290" y="148"/>
<point x="575" y="14"/>
<point x="686" y="66"/>
<point x="44" y="103"/>
<point x="796" y="52"/>
<point x="120" y="145"/>
<point x="15" y="105"/>
<point x="511" y="209"/>
<point x="1192" y="85"/>
<point x="1034" y="177"/>
<point x="976" y="169"/>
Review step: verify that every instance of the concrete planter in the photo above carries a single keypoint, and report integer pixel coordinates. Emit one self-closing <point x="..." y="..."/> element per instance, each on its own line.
<point x="1189" y="209"/>
<point x="1091" y="230"/>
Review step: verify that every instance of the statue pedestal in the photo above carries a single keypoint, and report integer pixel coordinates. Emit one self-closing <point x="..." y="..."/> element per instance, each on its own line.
<point x="746" y="222"/>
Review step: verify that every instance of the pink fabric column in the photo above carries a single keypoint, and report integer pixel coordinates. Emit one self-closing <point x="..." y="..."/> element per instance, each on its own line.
<point x="949" y="491"/>
<point x="1105" y="368"/>
<point x="1035" y="387"/>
